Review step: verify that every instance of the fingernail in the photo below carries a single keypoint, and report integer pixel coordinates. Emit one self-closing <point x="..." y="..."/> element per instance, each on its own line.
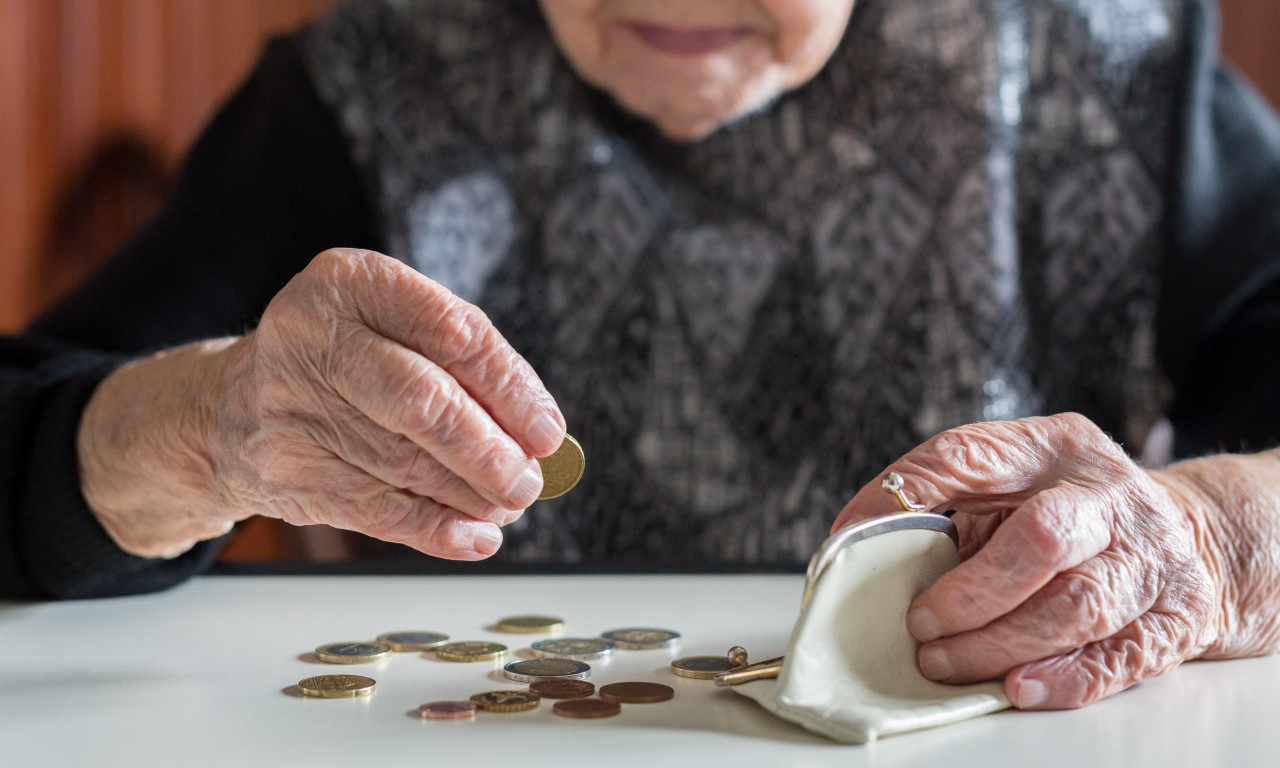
<point x="545" y="433"/>
<point x="487" y="540"/>
<point x="526" y="489"/>
<point x="1031" y="693"/>
<point x="923" y="624"/>
<point x="934" y="664"/>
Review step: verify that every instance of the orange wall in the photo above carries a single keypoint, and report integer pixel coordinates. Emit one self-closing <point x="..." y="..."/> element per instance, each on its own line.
<point x="74" y="71"/>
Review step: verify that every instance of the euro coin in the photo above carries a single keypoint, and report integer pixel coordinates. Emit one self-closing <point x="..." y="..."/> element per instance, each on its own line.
<point x="353" y="653"/>
<point x="636" y="693"/>
<point x="448" y="710"/>
<point x="546" y="669"/>
<point x="562" y="470"/>
<point x="530" y="625"/>
<point x="580" y="648"/>
<point x="586" y="708"/>
<point x="413" y="641"/>
<point x="336" y="686"/>
<point x="562" y="689"/>
<point x="506" y="701"/>
<point x="642" y="638"/>
<point x="470" y="650"/>
<point x="701" y="667"/>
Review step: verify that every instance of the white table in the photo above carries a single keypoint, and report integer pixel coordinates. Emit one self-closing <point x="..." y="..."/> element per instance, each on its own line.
<point x="203" y="675"/>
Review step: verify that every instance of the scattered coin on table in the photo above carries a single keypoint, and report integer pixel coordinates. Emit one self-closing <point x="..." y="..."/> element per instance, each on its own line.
<point x="562" y="470"/>
<point x="506" y="701"/>
<point x="636" y="692"/>
<point x="586" y="708"/>
<point x="413" y="640"/>
<point x="580" y="648"/>
<point x="470" y="650"/>
<point x="530" y="625"/>
<point x="562" y="689"/>
<point x="533" y="670"/>
<point x="448" y="710"/>
<point x="353" y="653"/>
<point x="701" y="667"/>
<point x="641" y="638"/>
<point x="336" y="686"/>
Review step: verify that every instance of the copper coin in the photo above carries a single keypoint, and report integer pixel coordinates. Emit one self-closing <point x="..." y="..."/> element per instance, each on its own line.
<point x="448" y="710"/>
<point x="562" y="689"/>
<point x="636" y="693"/>
<point x="585" y="708"/>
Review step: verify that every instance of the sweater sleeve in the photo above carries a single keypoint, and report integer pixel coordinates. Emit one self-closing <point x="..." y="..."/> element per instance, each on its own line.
<point x="268" y="185"/>
<point x="1219" y="318"/>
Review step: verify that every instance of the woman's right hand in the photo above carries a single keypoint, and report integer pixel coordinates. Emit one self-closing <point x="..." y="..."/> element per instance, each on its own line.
<point x="369" y="398"/>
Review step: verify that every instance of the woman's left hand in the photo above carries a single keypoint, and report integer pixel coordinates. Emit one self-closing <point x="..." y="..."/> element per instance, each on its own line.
<point x="1082" y="573"/>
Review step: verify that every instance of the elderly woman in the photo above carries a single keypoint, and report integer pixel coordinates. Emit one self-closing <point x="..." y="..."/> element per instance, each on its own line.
<point x="752" y="252"/>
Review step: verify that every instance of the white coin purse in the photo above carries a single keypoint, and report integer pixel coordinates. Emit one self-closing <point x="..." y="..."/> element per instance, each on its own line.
<point x="850" y="671"/>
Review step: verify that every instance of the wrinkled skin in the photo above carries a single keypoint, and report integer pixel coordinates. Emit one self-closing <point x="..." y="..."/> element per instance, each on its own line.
<point x="1082" y="573"/>
<point x="369" y="398"/>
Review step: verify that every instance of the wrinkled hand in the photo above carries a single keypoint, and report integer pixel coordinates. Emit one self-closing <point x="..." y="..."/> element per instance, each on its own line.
<point x="369" y="398"/>
<point x="1082" y="574"/>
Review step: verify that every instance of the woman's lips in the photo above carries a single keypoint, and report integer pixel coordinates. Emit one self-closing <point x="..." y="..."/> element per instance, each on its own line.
<point x="690" y="42"/>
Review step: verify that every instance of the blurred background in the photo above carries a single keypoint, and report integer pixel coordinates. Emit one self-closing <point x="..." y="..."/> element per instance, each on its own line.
<point x="100" y="100"/>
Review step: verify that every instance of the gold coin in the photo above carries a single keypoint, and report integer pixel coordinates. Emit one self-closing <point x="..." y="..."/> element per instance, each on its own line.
<point x="701" y="667"/>
<point x="353" y="653"/>
<point x="528" y="625"/>
<point x="562" y="470"/>
<point x="506" y="701"/>
<point x="471" y="650"/>
<point x="337" y="686"/>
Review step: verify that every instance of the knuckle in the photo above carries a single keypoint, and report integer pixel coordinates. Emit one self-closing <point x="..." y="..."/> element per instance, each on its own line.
<point x="1042" y="537"/>
<point x="1082" y="605"/>
<point x="389" y="514"/>
<point x="463" y="332"/>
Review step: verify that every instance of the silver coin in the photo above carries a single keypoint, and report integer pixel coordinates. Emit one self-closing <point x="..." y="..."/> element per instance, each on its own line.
<point x="533" y="670"/>
<point x="581" y="648"/>
<point x="413" y="641"/>
<point x="642" y="638"/>
<point x="353" y="653"/>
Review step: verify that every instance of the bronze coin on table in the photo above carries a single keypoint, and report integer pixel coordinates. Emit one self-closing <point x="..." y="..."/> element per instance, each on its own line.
<point x="636" y="693"/>
<point x="448" y="710"/>
<point x="562" y="470"/>
<point x="337" y="686"/>
<point x="506" y="701"/>
<point x="470" y="650"/>
<point x="701" y="667"/>
<point x="562" y="689"/>
<point x="531" y="625"/>
<point x="586" y="708"/>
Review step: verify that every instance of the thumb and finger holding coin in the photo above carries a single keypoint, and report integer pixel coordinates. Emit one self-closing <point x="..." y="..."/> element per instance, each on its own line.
<point x="377" y="401"/>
